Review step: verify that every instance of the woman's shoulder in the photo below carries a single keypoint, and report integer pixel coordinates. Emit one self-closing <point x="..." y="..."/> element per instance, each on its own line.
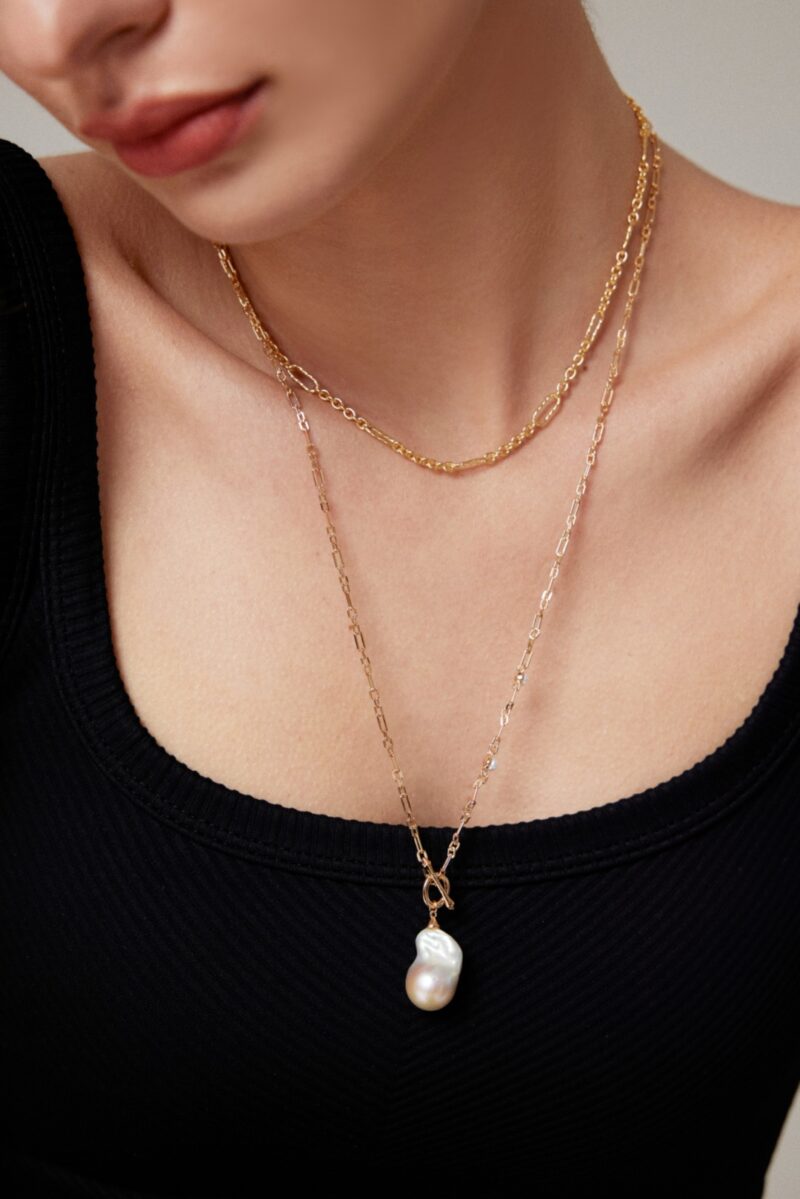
<point x="721" y="317"/>
<point x="102" y="206"/>
<point x="112" y="217"/>
<point x="736" y="253"/>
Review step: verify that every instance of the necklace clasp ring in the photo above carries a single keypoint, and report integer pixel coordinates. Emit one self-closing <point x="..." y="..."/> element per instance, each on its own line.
<point x="442" y="884"/>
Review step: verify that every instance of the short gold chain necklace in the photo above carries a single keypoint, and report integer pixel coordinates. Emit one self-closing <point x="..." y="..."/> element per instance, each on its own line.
<point x="545" y="410"/>
<point x="432" y="977"/>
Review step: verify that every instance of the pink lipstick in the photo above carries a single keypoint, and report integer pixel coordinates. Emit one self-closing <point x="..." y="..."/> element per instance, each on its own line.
<point x="191" y="139"/>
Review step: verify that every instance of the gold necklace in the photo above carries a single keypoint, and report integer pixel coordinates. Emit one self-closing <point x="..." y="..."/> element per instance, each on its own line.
<point x="546" y="410"/>
<point x="432" y="977"/>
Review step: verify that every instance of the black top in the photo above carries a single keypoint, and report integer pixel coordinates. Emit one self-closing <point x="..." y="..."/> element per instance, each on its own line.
<point x="200" y="983"/>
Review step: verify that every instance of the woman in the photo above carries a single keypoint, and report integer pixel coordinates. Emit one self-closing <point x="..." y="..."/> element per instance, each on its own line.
<point x="222" y="937"/>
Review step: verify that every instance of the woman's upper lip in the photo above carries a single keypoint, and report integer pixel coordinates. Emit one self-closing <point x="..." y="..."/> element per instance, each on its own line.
<point x="151" y="116"/>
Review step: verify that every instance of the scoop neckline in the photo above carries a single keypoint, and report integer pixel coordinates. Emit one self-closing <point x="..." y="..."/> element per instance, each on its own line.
<point x="224" y="818"/>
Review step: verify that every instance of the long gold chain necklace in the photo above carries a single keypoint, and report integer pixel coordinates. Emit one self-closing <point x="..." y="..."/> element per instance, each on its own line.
<point x="432" y="977"/>
<point x="545" y="410"/>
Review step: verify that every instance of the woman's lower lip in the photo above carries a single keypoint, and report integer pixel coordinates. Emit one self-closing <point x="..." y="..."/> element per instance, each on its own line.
<point x="195" y="140"/>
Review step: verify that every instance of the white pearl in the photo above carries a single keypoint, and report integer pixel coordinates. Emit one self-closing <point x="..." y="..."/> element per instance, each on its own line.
<point x="432" y="977"/>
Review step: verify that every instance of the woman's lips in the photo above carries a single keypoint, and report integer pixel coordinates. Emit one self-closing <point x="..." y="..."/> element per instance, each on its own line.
<point x="196" y="139"/>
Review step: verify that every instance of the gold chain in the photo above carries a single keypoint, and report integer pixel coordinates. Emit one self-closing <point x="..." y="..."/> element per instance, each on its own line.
<point x="438" y="878"/>
<point x="549" y="406"/>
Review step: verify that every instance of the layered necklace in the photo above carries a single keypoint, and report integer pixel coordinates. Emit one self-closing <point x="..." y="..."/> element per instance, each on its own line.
<point x="433" y="975"/>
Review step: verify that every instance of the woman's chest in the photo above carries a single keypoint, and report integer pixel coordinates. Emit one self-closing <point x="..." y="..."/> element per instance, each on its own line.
<point x="668" y="617"/>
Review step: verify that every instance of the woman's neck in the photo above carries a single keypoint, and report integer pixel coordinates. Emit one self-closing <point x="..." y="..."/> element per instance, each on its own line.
<point x="445" y="295"/>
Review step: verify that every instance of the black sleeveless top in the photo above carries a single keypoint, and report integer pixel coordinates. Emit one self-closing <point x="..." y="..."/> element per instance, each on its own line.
<point x="200" y="985"/>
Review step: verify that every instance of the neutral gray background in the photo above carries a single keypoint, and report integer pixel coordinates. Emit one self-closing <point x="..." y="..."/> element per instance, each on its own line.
<point x="719" y="80"/>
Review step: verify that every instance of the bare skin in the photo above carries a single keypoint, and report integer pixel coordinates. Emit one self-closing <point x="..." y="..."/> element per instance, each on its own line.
<point x="671" y="611"/>
<point x="434" y="257"/>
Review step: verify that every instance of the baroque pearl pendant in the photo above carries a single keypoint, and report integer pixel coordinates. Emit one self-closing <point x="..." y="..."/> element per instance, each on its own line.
<point x="432" y="977"/>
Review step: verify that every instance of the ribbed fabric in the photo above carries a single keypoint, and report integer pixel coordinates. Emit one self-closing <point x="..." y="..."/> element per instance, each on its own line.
<point x="201" y="986"/>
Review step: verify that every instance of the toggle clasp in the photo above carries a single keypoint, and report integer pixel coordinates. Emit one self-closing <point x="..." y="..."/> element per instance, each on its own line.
<point x="442" y="884"/>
